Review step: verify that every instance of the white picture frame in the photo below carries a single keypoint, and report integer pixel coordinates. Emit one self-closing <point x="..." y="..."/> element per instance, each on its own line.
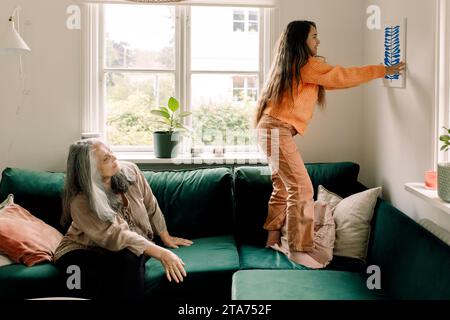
<point x="394" y="50"/>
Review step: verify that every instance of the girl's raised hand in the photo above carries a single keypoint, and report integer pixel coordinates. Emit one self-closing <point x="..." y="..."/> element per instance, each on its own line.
<point x="395" y="69"/>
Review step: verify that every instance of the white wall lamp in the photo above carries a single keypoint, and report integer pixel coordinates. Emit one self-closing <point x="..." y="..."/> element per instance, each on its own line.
<point x="11" y="41"/>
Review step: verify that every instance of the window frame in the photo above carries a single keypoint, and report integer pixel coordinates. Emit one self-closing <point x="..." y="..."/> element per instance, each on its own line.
<point x="93" y="86"/>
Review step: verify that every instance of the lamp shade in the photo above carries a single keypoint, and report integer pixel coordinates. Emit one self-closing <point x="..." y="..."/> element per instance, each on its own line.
<point x="11" y="41"/>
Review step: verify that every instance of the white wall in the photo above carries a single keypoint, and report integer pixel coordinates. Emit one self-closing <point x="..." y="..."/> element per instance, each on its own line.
<point x="389" y="132"/>
<point x="49" y="119"/>
<point x="334" y="134"/>
<point x="398" y="123"/>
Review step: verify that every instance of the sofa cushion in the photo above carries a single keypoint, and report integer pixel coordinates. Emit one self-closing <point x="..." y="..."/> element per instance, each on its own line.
<point x="352" y="216"/>
<point x="38" y="191"/>
<point x="253" y="187"/>
<point x="256" y="257"/>
<point x="414" y="263"/>
<point x="21" y="282"/>
<point x="301" y="285"/>
<point x="195" y="203"/>
<point x="5" y="260"/>
<point x="209" y="264"/>
<point x="25" y="238"/>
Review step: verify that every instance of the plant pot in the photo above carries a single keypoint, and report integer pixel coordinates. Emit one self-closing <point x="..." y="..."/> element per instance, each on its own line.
<point x="166" y="144"/>
<point x="443" y="177"/>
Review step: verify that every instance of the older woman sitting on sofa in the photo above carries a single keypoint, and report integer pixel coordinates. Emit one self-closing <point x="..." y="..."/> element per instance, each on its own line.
<point x="113" y="218"/>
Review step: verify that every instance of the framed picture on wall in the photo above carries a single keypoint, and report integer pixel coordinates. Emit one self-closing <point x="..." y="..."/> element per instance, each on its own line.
<point x="394" y="34"/>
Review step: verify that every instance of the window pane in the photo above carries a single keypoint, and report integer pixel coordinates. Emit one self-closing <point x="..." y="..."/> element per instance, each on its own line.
<point x="140" y="37"/>
<point x="253" y="15"/>
<point x="238" y="95"/>
<point x="217" y="118"/>
<point x="238" y="15"/>
<point x="239" y="26"/>
<point x="253" y="27"/>
<point x="252" y="82"/>
<point x="238" y="82"/>
<point x="129" y="99"/>
<point x="224" y="49"/>
<point x="252" y="94"/>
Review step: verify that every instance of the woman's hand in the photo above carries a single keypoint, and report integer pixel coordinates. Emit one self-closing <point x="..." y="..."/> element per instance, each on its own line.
<point x="173" y="242"/>
<point x="173" y="265"/>
<point x="395" y="69"/>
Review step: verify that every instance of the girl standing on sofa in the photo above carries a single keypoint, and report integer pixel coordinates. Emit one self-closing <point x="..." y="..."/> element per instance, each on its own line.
<point x="113" y="218"/>
<point x="297" y="82"/>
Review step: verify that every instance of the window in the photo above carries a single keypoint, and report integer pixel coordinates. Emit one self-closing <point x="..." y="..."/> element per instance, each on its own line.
<point x="140" y="55"/>
<point x="245" y="20"/>
<point x="218" y="117"/>
<point x="139" y="69"/>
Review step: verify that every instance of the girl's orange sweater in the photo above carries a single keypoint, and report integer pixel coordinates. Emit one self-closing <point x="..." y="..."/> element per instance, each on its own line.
<point x="317" y="72"/>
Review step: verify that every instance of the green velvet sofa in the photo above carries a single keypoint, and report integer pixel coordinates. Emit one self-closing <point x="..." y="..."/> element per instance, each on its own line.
<point x="223" y="210"/>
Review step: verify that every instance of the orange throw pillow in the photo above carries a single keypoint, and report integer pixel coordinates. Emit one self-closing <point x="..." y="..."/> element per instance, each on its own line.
<point x="25" y="238"/>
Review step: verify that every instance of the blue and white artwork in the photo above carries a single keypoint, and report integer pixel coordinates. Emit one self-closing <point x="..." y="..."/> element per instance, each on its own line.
<point x="395" y="51"/>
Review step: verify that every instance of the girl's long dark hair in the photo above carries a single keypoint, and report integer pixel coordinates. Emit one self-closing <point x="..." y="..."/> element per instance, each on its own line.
<point x="291" y="54"/>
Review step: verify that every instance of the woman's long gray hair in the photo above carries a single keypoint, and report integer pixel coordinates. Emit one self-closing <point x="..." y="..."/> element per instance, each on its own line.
<point x="83" y="177"/>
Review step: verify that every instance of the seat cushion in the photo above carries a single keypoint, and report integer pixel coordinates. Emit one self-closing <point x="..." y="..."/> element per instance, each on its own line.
<point x="21" y="282"/>
<point x="253" y="187"/>
<point x="256" y="257"/>
<point x="210" y="264"/>
<point x="301" y="285"/>
<point x="195" y="203"/>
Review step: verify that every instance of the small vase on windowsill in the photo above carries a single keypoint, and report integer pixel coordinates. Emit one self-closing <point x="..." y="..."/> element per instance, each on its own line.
<point x="443" y="178"/>
<point x="219" y="152"/>
<point x="196" y="152"/>
<point x="443" y="173"/>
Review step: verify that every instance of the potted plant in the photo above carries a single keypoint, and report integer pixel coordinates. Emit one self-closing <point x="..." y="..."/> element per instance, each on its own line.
<point x="166" y="140"/>
<point x="443" y="174"/>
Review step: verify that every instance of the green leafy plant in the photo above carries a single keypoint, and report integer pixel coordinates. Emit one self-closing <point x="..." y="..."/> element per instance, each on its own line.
<point x="170" y="117"/>
<point x="445" y="138"/>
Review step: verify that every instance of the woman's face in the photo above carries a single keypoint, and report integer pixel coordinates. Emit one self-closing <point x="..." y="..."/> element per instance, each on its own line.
<point x="107" y="163"/>
<point x="313" y="41"/>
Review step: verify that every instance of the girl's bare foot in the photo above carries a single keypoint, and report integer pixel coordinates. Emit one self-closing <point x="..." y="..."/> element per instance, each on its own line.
<point x="273" y="238"/>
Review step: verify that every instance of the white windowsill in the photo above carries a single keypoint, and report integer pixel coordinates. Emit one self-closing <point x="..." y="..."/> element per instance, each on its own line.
<point x="430" y="196"/>
<point x="205" y="158"/>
